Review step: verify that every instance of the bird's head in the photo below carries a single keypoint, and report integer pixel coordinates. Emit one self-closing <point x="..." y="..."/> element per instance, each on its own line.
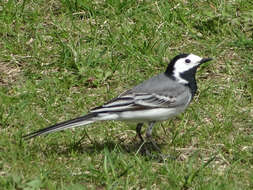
<point x="184" y="66"/>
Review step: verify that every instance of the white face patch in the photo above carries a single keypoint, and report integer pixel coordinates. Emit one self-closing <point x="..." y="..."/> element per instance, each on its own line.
<point x="185" y="64"/>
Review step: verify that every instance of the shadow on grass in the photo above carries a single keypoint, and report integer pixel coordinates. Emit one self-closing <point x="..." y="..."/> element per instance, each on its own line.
<point x="132" y="147"/>
<point x="98" y="147"/>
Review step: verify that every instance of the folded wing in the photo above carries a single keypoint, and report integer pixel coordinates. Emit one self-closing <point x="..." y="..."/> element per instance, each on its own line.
<point x="136" y="101"/>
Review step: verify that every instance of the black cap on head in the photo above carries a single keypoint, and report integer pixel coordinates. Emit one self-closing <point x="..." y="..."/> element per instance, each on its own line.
<point x="169" y="69"/>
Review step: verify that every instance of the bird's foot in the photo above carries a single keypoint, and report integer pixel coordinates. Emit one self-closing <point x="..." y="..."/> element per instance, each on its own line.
<point x="147" y="146"/>
<point x="151" y="150"/>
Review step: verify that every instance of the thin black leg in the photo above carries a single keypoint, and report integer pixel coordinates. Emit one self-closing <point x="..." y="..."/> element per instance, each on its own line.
<point x="138" y="131"/>
<point x="149" y="135"/>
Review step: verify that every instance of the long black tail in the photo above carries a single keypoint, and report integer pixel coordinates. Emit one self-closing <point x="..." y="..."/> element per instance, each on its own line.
<point x="84" y="120"/>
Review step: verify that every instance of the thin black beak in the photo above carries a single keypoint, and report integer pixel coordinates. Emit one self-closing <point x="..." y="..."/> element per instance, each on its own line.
<point x="205" y="60"/>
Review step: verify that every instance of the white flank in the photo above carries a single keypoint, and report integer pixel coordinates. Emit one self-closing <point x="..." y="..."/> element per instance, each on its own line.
<point x="156" y="114"/>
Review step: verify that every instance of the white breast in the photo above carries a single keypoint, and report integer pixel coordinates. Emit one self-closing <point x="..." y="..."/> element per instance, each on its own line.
<point x="157" y="114"/>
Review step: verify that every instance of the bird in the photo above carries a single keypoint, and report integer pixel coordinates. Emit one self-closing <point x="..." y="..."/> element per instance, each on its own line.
<point x="157" y="99"/>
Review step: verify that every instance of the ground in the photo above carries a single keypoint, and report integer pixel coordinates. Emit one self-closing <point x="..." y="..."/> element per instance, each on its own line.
<point x="61" y="58"/>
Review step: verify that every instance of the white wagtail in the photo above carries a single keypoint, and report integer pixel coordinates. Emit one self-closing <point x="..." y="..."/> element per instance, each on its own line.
<point x="156" y="99"/>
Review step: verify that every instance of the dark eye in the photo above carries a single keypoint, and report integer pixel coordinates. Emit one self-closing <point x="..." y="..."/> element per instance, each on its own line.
<point x="187" y="61"/>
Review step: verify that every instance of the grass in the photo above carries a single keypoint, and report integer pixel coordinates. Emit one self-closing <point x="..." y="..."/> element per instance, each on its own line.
<point x="60" y="58"/>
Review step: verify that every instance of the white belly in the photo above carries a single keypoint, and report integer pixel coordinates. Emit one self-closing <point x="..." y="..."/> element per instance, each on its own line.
<point x="157" y="114"/>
